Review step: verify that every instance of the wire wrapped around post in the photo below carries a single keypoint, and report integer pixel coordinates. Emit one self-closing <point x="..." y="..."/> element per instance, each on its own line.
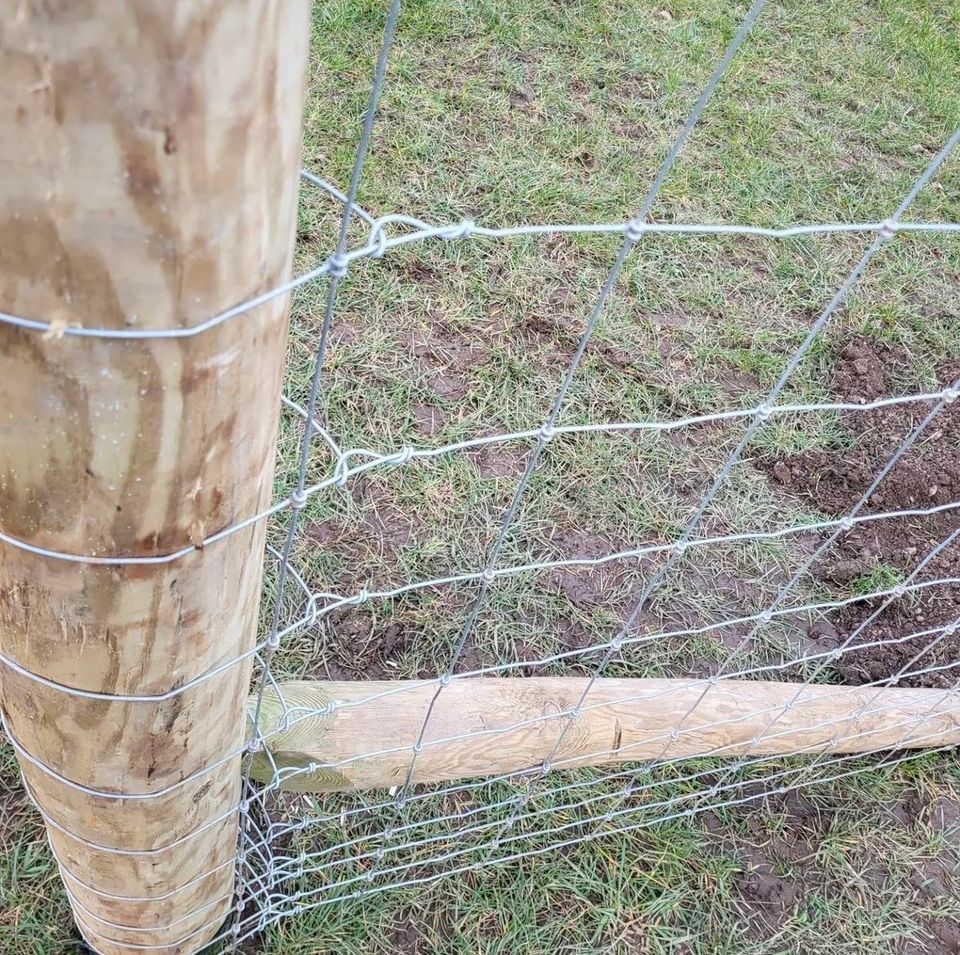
<point x="148" y="181"/>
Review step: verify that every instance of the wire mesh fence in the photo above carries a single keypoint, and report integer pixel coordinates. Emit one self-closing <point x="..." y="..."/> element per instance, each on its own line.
<point x="721" y="585"/>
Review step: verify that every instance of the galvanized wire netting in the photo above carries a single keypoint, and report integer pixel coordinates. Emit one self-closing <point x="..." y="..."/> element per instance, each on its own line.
<point x="302" y="851"/>
<point x="299" y="851"/>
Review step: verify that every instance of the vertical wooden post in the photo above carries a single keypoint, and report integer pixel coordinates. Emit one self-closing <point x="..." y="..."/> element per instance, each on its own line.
<point x="148" y="180"/>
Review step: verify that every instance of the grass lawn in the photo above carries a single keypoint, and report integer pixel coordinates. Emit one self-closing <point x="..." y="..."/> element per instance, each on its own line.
<point x="536" y="111"/>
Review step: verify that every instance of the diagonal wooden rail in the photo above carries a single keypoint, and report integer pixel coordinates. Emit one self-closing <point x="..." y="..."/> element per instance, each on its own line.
<point x="488" y="727"/>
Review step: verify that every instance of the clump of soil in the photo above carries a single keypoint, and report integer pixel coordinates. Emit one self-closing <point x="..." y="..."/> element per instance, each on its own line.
<point x="875" y="555"/>
<point x="505" y="459"/>
<point x="358" y="649"/>
<point x="445" y="357"/>
<point x="585" y="587"/>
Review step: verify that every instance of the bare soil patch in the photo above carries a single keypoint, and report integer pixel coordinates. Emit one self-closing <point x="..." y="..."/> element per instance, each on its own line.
<point x="445" y="358"/>
<point x="359" y="649"/>
<point x="780" y="868"/>
<point x="585" y="587"/>
<point x="924" y="477"/>
<point x="501" y="459"/>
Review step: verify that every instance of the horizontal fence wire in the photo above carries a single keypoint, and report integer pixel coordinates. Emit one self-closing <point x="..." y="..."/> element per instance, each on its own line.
<point x="301" y="849"/>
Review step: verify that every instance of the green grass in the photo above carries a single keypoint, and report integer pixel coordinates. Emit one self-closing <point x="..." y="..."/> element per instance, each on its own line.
<point x="880" y="578"/>
<point x="849" y="851"/>
<point x="34" y="915"/>
<point x="534" y="111"/>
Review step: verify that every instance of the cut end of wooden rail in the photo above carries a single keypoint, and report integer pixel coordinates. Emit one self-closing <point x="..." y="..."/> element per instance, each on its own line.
<point x="329" y="736"/>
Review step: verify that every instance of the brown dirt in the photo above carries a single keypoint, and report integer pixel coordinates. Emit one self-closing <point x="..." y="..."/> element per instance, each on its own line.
<point x="504" y="460"/>
<point x="15" y="814"/>
<point x="944" y="939"/>
<point x="933" y="880"/>
<point x="379" y="536"/>
<point x="549" y="337"/>
<point x="358" y="649"/>
<point x="926" y="476"/>
<point x="944" y="818"/>
<point x="779" y="868"/>
<point x="585" y="587"/>
<point x="523" y="651"/>
<point x="445" y="357"/>
<point x="764" y="895"/>
<point x="406" y="938"/>
<point x="428" y="419"/>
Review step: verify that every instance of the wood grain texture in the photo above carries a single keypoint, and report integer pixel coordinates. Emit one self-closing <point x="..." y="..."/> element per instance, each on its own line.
<point x="489" y="727"/>
<point x="148" y="179"/>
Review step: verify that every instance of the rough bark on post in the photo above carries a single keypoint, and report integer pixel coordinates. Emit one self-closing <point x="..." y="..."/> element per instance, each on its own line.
<point x="148" y="179"/>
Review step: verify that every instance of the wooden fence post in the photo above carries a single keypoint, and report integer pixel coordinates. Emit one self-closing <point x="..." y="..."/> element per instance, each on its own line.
<point x="148" y="180"/>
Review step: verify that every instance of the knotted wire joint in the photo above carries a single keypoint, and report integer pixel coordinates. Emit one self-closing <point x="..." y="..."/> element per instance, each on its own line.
<point x="378" y="241"/>
<point x="298" y="499"/>
<point x="340" y="472"/>
<point x="462" y="230"/>
<point x="635" y="229"/>
<point x="312" y="612"/>
<point x="337" y="265"/>
<point x="403" y="456"/>
<point x="888" y="229"/>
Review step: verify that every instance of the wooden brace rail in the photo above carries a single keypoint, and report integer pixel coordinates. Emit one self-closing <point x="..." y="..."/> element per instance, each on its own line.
<point x="488" y="727"/>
